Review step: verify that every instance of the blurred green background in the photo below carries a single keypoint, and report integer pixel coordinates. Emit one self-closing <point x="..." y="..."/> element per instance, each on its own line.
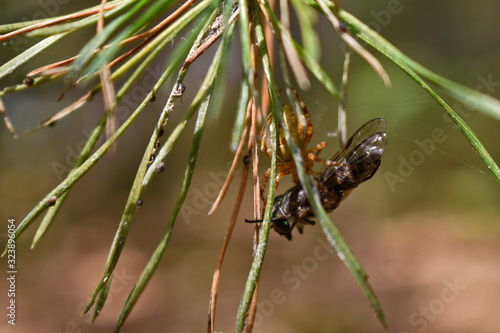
<point x="426" y="227"/>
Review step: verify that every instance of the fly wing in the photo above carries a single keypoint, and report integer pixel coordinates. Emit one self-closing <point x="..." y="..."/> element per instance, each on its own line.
<point x="377" y="125"/>
<point x="363" y="151"/>
<point x="369" y="151"/>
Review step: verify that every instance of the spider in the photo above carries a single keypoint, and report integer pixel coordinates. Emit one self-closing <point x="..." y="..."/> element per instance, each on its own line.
<point x="301" y="130"/>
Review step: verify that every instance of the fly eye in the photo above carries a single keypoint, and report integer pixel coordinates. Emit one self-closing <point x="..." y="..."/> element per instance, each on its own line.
<point x="282" y="226"/>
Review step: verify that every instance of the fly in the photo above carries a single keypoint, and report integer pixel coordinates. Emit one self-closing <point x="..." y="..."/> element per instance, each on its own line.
<point x="355" y="163"/>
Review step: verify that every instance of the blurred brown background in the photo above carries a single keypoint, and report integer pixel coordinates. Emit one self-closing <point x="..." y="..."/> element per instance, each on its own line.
<point x="429" y="239"/>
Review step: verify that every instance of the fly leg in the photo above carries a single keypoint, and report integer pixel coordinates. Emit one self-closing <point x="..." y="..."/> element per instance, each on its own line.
<point x="300" y="226"/>
<point x="301" y="221"/>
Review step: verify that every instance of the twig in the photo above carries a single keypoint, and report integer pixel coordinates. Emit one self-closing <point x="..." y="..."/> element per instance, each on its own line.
<point x="253" y="309"/>
<point x="210" y="39"/>
<point x="252" y="142"/>
<point x="6" y="119"/>
<point x="342" y="121"/>
<point x="59" y="20"/>
<point x="232" y="171"/>
<point x="353" y="43"/>
<point x="265" y="93"/>
<point x="163" y="24"/>
<point x="108" y="90"/>
<point x="150" y="33"/>
<point x="49" y="69"/>
<point x="220" y="259"/>
<point x="64" y="112"/>
<point x="292" y="56"/>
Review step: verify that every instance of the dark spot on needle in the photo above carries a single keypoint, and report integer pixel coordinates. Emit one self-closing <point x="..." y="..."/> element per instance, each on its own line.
<point x="343" y="26"/>
<point x="28" y="81"/>
<point x="52" y="201"/>
<point x="246" y="159"/>
<point x="160" y="167"/>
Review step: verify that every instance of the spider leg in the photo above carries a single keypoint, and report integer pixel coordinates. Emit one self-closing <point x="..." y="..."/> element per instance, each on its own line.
<point x="317" y="148"/>
<point x="312" y="154"/>
<point x="281" y="171"/>
<point x="306" y="115"/>
<point x="264" y="181"/>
